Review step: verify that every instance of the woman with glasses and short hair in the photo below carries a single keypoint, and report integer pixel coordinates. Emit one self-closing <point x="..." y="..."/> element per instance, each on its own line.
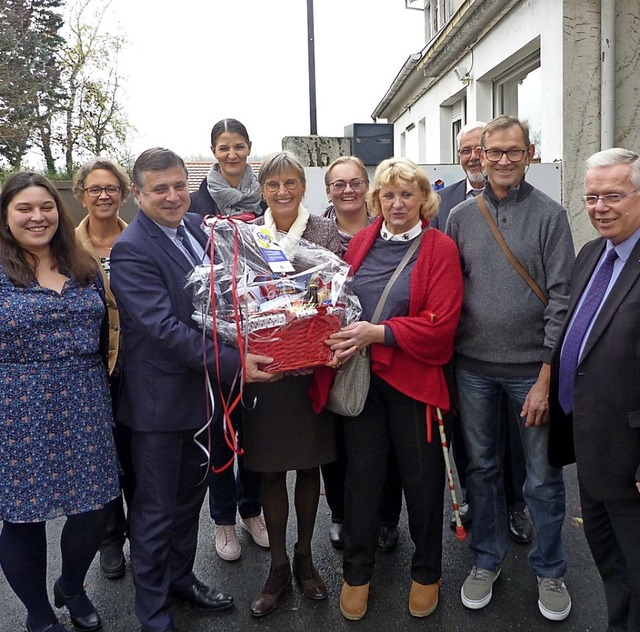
<point x="281" y="432"/>
<point x="102" y="187"/>
<point x="347" y="183"/>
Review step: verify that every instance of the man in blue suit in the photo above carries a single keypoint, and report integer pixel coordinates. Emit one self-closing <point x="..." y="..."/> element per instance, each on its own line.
<point x="163" y="390"/>
<point x="594" y="400"/>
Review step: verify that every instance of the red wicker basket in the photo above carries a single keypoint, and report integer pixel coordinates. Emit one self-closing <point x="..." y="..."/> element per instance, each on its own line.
<point x="297" y="345"/>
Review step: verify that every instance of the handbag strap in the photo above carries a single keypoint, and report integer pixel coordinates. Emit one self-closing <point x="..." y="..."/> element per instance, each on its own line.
<point x="401" y="266"/>
<point x="530" y="281"/>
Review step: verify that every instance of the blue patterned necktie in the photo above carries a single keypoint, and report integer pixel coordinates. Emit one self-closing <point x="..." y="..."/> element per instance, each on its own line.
<point x="573" y="340"/>
<point x="184" y="238"/>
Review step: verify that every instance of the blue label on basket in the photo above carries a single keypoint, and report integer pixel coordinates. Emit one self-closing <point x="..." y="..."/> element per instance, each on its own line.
<point x="271" y="251"/>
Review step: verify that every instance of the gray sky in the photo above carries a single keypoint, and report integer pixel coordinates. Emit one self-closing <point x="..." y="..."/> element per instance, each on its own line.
<point x="193" y="62"/>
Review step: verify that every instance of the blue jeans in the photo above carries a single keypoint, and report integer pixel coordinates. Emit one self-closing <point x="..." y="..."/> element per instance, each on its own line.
<point x="484" y="436"/>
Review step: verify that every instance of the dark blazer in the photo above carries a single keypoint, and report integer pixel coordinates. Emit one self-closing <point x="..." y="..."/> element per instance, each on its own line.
<point x="603" y="433"/>
<point x="163" y="385"/>
<point x="449" y="197"/>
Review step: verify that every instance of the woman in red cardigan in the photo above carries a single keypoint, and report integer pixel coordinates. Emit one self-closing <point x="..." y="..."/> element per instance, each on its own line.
<point x="409" y="346"/>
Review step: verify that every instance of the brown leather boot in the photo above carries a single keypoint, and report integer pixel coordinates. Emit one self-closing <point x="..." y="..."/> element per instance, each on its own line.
<point x="305" y="572"/>
<point x="423" y="598"/>
<point x="354" y="601"/>
<point x="279" y="578"/>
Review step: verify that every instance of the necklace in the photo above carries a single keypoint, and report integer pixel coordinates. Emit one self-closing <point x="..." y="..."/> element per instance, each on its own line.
<point x="92" y="237"/>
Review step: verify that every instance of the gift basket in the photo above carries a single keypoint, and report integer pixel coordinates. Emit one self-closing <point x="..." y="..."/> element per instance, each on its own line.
<point x="271" y="294"/>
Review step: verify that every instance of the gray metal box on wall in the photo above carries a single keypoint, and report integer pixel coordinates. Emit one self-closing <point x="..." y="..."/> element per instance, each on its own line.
<point x="371" y="142"/>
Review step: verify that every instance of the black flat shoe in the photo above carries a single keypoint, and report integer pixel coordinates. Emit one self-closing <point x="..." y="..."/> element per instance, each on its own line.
<point x="336" y="535"/>
<point x="203" y="596"/>
<point x="520" y="527"/>
<point x="112" y="561"/>
<point x="85" y="623"/>
<point x="388" y="539"/>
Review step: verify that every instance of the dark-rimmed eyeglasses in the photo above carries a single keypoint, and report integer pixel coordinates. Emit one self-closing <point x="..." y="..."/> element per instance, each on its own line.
<point x="609" y="199"/>
<point x="495" y="155"/>
<point x="290" y="184"/>
<point x="96" y="191"/>
<point x="357" y="184"/>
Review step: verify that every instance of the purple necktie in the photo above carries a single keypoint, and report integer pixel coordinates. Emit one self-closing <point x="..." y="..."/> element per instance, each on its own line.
<point x="573" y="339"/>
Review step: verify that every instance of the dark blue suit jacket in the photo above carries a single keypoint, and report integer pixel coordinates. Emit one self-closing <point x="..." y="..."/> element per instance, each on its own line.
<point x="449" y="197"/>
<point x="604" y="427"/>
<point x="163" y="381"/>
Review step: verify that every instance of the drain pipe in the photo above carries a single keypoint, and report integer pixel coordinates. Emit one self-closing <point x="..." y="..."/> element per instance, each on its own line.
<point x="607" y="73"/>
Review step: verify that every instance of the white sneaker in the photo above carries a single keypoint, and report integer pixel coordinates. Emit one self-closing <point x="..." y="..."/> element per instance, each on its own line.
<point x="227" y="544"/>
<point x="258" y="530"/>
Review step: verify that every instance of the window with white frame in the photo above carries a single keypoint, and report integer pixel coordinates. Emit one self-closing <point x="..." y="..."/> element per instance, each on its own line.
<point x="437" y="14"/>
<point x="518" y="92"/>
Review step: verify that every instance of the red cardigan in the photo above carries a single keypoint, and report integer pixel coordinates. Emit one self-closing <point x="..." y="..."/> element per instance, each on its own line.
<point x="424" y="338"/>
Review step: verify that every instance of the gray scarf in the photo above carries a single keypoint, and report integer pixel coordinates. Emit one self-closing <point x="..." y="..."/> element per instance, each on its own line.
<point x="230" y="201"/>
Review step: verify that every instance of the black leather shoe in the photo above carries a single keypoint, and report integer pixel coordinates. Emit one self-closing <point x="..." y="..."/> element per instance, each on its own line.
<point x="465" y="517"/>
<point x="85" y="623"/>
<point x="203" y="596"/>
<point x="388" y="539"/>
<point x="520" y="527"/>
<point x="336" y="536"/>
<point x="112" y="561"/>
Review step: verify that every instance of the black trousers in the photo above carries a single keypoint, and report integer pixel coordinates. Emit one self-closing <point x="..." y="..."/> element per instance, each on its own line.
<point x="334" y="475"/>
<point x="393" y="422"/>
<point x="612" y="529"/>
<point x="170" y="488"/>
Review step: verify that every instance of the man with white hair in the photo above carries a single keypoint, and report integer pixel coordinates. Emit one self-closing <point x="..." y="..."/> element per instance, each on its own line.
<point x="594" y="396"/>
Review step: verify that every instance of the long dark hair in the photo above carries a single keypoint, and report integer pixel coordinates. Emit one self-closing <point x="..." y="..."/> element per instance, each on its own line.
<point x="67" y="252"/>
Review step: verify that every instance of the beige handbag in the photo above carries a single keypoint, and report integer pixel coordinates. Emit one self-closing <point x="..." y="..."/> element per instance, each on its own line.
<point x="351" y="384"/>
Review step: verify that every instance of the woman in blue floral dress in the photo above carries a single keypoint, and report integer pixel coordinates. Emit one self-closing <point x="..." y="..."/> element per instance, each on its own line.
<point x="57" y="456"/>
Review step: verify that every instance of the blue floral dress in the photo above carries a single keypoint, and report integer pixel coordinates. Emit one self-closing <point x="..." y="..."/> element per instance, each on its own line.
<point x="57" y="455"/>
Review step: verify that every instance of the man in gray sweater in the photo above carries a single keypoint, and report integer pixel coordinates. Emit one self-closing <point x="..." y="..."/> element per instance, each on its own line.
<point x="503" y="345"/>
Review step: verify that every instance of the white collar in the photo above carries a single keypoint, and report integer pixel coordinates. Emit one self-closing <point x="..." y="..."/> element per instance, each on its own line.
<point x="412" y="233"/>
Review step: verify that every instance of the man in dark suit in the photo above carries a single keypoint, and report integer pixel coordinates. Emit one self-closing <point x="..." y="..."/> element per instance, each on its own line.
<point x="595" y="392"/>
<point x="467" y="140"/>
<point x="163" y="397"/>
<point x="520" y="528"/>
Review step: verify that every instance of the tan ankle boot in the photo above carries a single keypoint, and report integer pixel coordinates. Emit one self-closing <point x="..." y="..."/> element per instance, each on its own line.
<point x="354" y="601"/>
<point x="423" y="598"/>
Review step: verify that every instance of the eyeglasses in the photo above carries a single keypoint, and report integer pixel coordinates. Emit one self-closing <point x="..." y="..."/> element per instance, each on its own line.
<point x="495" y="155"/>
<point x="357" y="184"/>
<point x="291" y="185"/>
<point x="111" y="191"/>
<point x="610" y="199"/>
<point x="466" y="151"/>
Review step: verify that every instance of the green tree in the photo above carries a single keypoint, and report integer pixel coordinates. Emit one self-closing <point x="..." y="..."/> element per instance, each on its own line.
<point x="29" y="71"/>
<point x="93" y="121"/>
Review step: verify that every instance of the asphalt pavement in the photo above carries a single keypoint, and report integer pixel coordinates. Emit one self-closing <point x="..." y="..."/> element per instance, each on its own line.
<point x="513" y="607"/>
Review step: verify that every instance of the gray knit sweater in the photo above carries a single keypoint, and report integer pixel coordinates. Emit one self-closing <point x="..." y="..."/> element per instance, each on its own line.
<point x="504" y="329"/>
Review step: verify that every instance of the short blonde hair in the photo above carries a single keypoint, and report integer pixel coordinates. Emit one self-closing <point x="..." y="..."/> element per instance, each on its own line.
<point x="392" y="171"/>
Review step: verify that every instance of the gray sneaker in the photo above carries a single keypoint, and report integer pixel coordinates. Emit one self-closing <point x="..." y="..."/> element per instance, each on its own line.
<point x="477" y="589"/>
<point x="553" y="598"/>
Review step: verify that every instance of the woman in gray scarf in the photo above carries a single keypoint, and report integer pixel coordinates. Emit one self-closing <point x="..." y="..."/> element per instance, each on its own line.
<point x="230" y="188"/>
